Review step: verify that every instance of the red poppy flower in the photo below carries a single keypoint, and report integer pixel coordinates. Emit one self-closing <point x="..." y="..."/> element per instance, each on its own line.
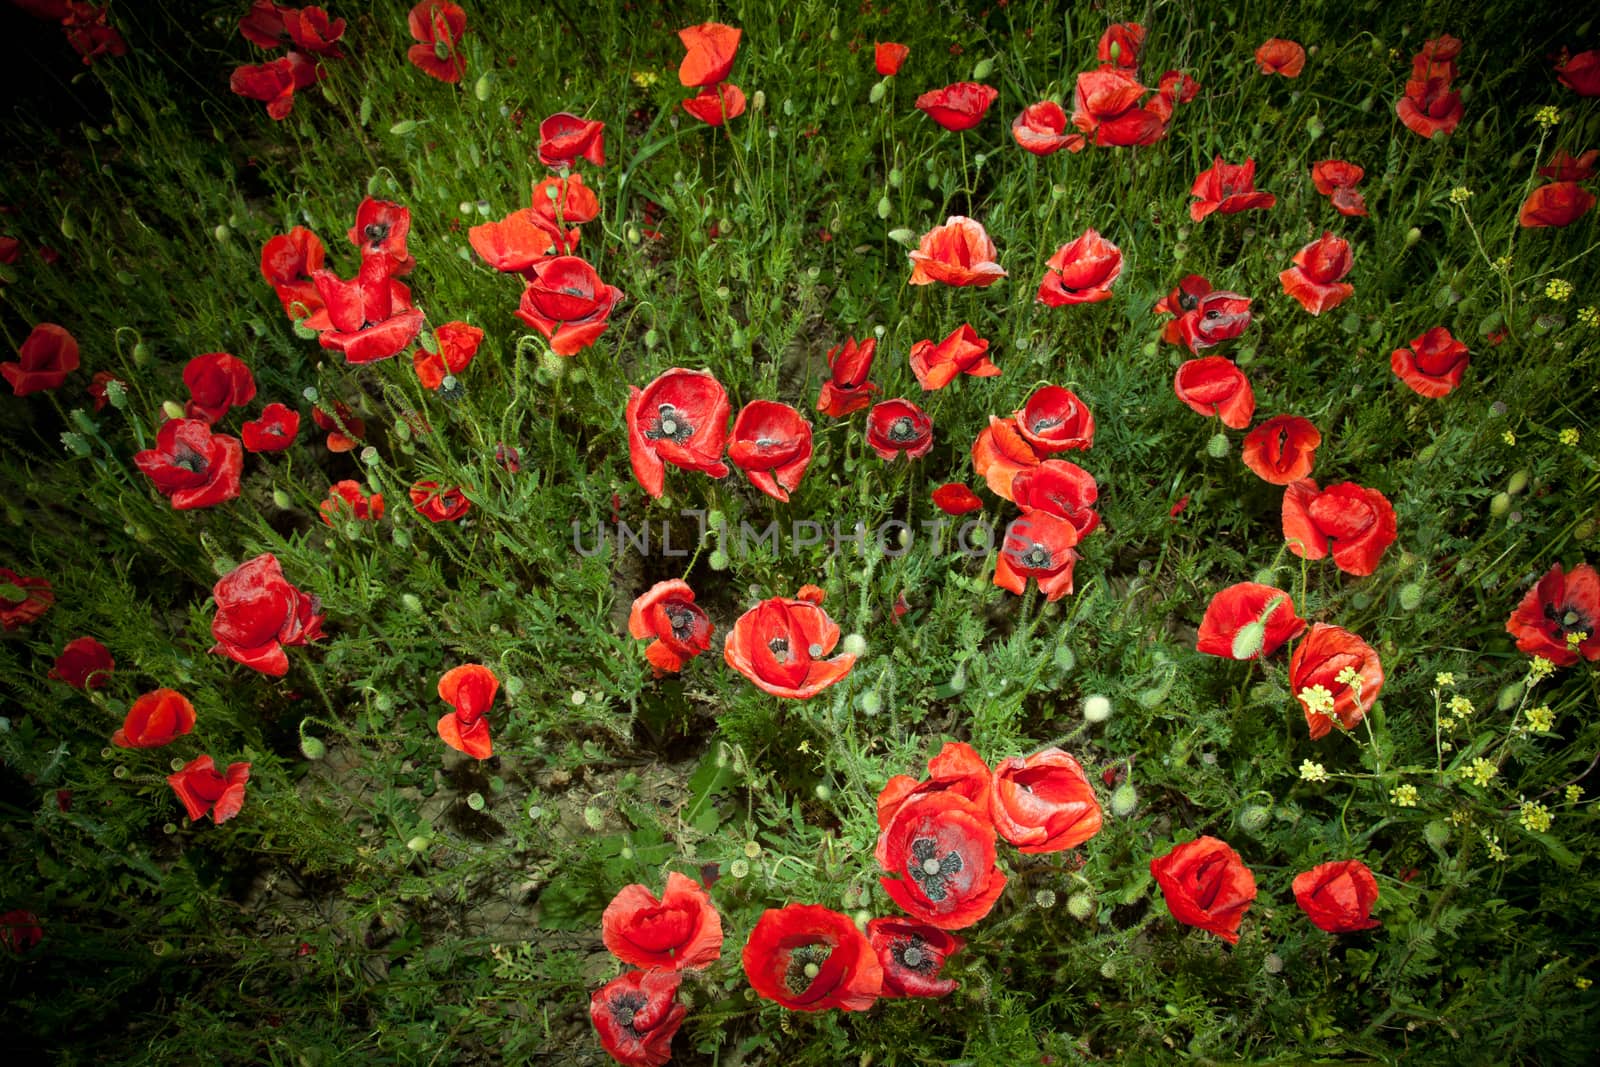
<point x="217" y="383"/>
<point x="911" y="955"/>
<point x="1105" y="103"/>
<point x="191" y="466"/>
<point x="274" y="83"/>
<point x="1357" y="522"/>
<point x="312" y="30"/>
<point x="1233" y="609"/>
<point x="155" y="719"/>
<point x="1041" y="129"/>
<point x="1059" y="488"/>
<point x="680" y="418"/>
<point x="470" y="690"/>
<point x="1229" y="188"/>
<point x="99" y="384"/>
<point x="47" y="356"/>
<point x="439" y="25"/>
<point x="1559" y="618"/>
<point x="940" y="851"/>
<point x="20" y="932"/>
<point x="710" y="49"/>
<point x="1206" y="317"/>
<point x="1337" y="180"/>
<point x="22" y="599"/>
<point x="369" y="317"/>
<point x="1000" y="453"/>
<point x="847" y="388"/>
<point x="1315" y="669"/>
<point x="1278" y="56"/>
<point x="346" y="499"/>
<point x="1043" y="802"/>
<point x="1081" y="271"/>
<point x="1120" y="45"/>
<point x="1580" y="73"/>
<point x="962" y="352"/>
<point x="10" y="251"/>
<point x="681" y="931"/>
<point x="263" y="25"/>
<point x="888" y="56"/>
<point x="89" y="34"/>
<point x="381" y="228"/>
<point x="259" y="612"/>
<point x="1564" y="168"/>
<point x="957" y="253"/>
<point x="636" y="1017"/>
<point x="808" y="958"/>
<point x="1338" y="897"/>
<point x="1433" y="365"/>
<point x="1282" y="449"/>
<point x="287" y="263"/>
<point x="84" y="664"/>
<point x="1557" y="204"/>
<point x="1055" y="420"/>
<point x="564" y="200"/>
<point x="1314" y="278"/>
<point x="1040" y="546"/>
<point x="771" y="443"/>
<point x="202" y="789"/>
<point x="1436" y="58"/>
<point x="521" y="239"/>
<point x="457" y="343"/>
<point x="1206" y="885"/>
<point x="780" y="643"/>
<point x="274" y="431"/>
<point x="437" y="504"/>
<point x="958" y="107"/>
<point x="564" y="138"/>
<point x="1429" y="107"/>
<point x="668" y="613"/>
<point x="953" y="498"/>
<point x="1213" y="385"/>
<point x="568" y="303"/>
<point x="899" y="428"/>
<point x="956" y="769"/>
<point x="1176" y="87"/>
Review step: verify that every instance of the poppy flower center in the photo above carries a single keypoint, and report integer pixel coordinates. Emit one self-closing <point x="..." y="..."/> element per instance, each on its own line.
<point x="1188" y="301"/>
<point x="681" y="619"/>
<point x="805" y="963"/>
<point x="1568" y="619"/>
<point x="779" y="647"/>
<point x="1040" y="425"/>
<point x="376" y="232"/>
<point x="913" y="955"/>
<point x="930" y="870"/>
<point x="670" y="423"/>
<point x="624" y="1007"/>
<point x="903" y="429"/>
<point x="1035" y="557"/>
<point x="189" y="460"/>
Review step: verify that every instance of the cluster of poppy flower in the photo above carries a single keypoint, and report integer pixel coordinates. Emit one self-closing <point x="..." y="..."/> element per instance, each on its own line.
<point x="709" y="51"/>
<point x="157" y="719"/>
<point x="87" y="27"/>
<point x="308" y="34"/>
<point x="1429" y="106"/>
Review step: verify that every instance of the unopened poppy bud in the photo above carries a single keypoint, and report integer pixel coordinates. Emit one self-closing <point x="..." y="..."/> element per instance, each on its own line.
<point x="823" y="792"/>
<point x="1314" y="127"/>
<point x="223" y="566"/>
<point x="877" y="93"/>
<point x="383" y="702"/>
<point x="400" y="537"/>
<point x="982" y="69"/>
<point x="1509" y="696"/>
<point x="1217" y="447"/>
<point x="221" y="233"/>
<point x="418" y="843"/>
<point x="1254" y="818"/>
<point x="903" y="236"/>
<point x="718" y="560"/>
<point x="594" y="818"/>
<point x="483" y="87"/>
<point x="172" y="409"/>
<point x="1080" y="906"/>
<point x="1248" y="640"/>
<point x="312" y="748"/>
<point x="634" y="237"/>
<point x="513" y="686"/>
<point x="626" y="852"/>
<point x="758" y="101"/>
<point x="1096" y="708"/>
<point x="1583" y="531"/>
<point x="871" y="702"/>
<point x="1410" y="596"/>
<point x="1518" y="482"/>
<point x="1500" y="504"/>
<point x="884" y="207"/>
<point x="1124" y="799"/>
<point x="895" y="177"/>
<point x="1413" y="235"/>
<point x="855" y="644"/>
<point x="411" y="603"/>
<point x="651" y="338"/>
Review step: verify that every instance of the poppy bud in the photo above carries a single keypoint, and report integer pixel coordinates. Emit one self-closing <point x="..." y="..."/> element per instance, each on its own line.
<point x="513" y="685"/>
<point x="411" y="603"/>
<point x="823" y="792"/>
<point x="221" y="233"/>
<point x="312" y="748"/>
<point x="1500" y="504"/>
<point x="1248" y="640"/>
<point x="1519" y="482"/>
<point x="1254" y="818"/>
<point x="884" y="207"/>
<point x="281" y="500"/>
<point x="895" y="177"/>
<point x="1410" y="596"/>
<point x="1124" y="799"/>
<point x="1065" y="660"/>
<point x="871" y="702"/>
<point x="982" y="69"/>
<point x="1217" y="447"/>
<point x="172" y="409"/>
<point x="419" y="843"/>
<point x="876" y="95"/>
<point x="758" y="100"/>
<point x="718" y="560"/>
<point x="855" y="644"/>
<point x="1509" y="696"/>
<point x="1436" y="833"/>
<point x="1096" y="708"/>
<point x="400" y="537"/>
<point x="1413" y="235"/>
<point x="903" y="236"/>
<point x="1080" y="906"/>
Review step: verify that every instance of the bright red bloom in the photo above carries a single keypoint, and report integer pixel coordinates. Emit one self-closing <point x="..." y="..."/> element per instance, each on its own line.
<point x="313" y="31"/>
<point x="369" y="317"/>
<point x="637" y="1015"/>
<point x="888" y="56"/>
<point x="953" y="498"/>
<point x="1337" y="180"/>
<point x="1437" y="58"/>
<point x="1120" y="45"/>
<point x="1229" y="188"/>
<point x="217" y="383"/>
<point x="1206" y="317"/>
<point x="22" y="599"/>
<point x="346" y="499"/>
<point x="263" y="25"/>
<point x="898" y="428"/>
<point x="84" y="664"/>
<point x="564" y="138"/>
<point x="771" y="443"/>
<point x="1206" y="885"/>
<point x="259" y="612"/>
<point x="668" y="613"/>
<point x="780" y="643"/>
<point x="962" y="352"/>
<point x="911" y="955"/>
<point x="89" y="34"/>
<point x="957" y="253"/>
<point x="680" y="418"/>
<point x="1319" y="660"/>
<point x="1000" y="452"/>
<point x="940" y="851"/>
<point x="710" y="49"/>
<point x="1081" y="271"/>
<point x="1040" y="546"/>
<point x="155" y="719"/>
<point x="521" y="239"/>
<point x="1055" y="420"/>
<point x="1338" y="897"/>
<point x="470" y="691"/>
<point x="1105" y="103"/>
<point x="956" y="769"/>
<point x="1433" y="365"/>
<point x="808" y="958"/>
<point x="437" y="504"/>
<point x="274" y="431"/>
<point x="847" y="388"/>
<point x="287" y="263"/>
<point x="1357" y="522"/>
<point x="1559" y="618"/>
<point x="1580" y="73"/>
<point x="1557" y="204"/>
<point x="439" y="25"/>
<point x="457" y="343"/>
<point x="1278" y="56"/>
<point x="1175" y="88"/>
<point x="1564" y="168"/>
<point x="47" y="356"/>
<point x="1042" y="129"/>
<point x="20" y="932"/>
<point x="958" y="107"/>
<point x="1238" y="606"/>
<point x="274" y="82"/>
<point x="1043" y="802"/>
<point x="1429" y="107"/>
<point x="1059" y="488"/>
<point x="1314" y="280"/>
<point x="568" y="303"/>
<point x="1214" y="385"/>
<point x="680" y="932"/>
<point x="565" y="200"/>
<point x="202" y="789"/>
<point x="381" y="228"/>
<point x="1282" y="449"/>
<point x="191" y="466"/>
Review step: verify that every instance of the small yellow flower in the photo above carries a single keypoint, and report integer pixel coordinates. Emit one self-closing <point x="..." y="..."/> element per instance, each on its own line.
<point x="1444" y="679"/>
<point x="1575" y="639"/>
<point x="1590" y="316"/>
<point x="1496" y="853"/>
<point x="1460" y="817"/>
<point x="1317" y="699"/>
<point x="1446" y="723"/>
<point x="1540" y="669"/>
<point x="1502" y="265"/>
<point x="1558" y="289"/>
<point x="1582" y="983"/>
<point x="1547" y="116"/>
<point x="1460" y="195"/>
<point x="1541" y="718"/>
<point x="1312" y="772"/>
<point x="1403" y="796"/>
<point x="1569" y="437"/>
<point x="1573" y="793"/>
<point x="1480" y="772"/>
<point x="645" y="78"/>
<point x="1535" y="816"/>
<point x="1509" y="438"/>
<point x="1349" y="678"/>
<point x="1460" y="705"/>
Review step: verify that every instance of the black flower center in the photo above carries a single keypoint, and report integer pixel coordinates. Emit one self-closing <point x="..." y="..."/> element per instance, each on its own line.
<point x="189" y="460"/>
<point x="1187" y="300"/>
<point x="903" y="429"/>
<point x="780" y="648"/>
<point x="1034" y="556"/>
<point x="912" y="954"/>
<point x="376" y="232"/>
<point x="1045" y="422"/>
<point x="1569" y="619"/>
<point x="670" y="423"/>
<point x="624" y="1006"/>
<point x="929" y="870"/>
<point x="805" y="963"/>
<point x="681" y="619"/>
